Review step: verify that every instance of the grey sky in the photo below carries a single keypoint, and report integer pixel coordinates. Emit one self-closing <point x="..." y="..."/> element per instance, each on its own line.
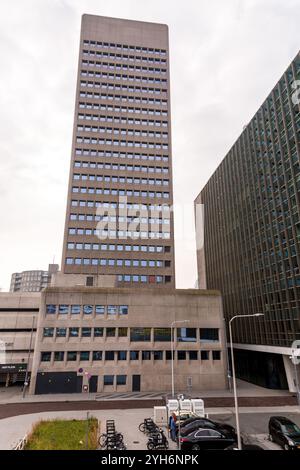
<point x="226" y="55"/>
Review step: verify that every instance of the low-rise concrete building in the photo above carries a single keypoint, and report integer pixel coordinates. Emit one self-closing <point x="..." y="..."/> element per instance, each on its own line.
<point x="119" y="339"/>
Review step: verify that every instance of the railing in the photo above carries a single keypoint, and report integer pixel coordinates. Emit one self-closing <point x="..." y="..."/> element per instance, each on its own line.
<point x="21" y="444"/>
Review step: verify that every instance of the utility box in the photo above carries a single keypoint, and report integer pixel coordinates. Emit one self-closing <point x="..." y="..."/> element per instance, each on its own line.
<point x="185" y="405"/>
<point x="172" y="406"/>
<point x="198" y="407"/>
<point x="160" y="415"/>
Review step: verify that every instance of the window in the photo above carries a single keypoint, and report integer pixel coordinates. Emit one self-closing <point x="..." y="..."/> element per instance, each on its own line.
<point x="98" y="332"/>
<point x="97" y="355"/>
<point x="48" y="332"/>
<point x="86" y="332"/>
<point x="112" y="309"/>
<point x="59" y="355"/>
<point x="75" y="309"/>
<point x="89" y="281"/>
<point x="193" y="355"/>
<point x="181" y="355"/>
<point x="204" y="355"/>
<point x="50" y="308"/>
<point x="109" y="355"/>
<point x="63" y="309"/>
<point x="187" y="334"/>
<point x="123" y="309"/>
<point x="162" y="334"/>
<point x="169" y="355"/>
<point x="140" y="334"/>
<point x="216" y="355"/>
<point x="209" y="335"/>
<point x="87" y="309"/>
<point x="61" y="332"/>
<point x="110" y="332"/>
<point x="100" y="309"/>
<point x="45" y="356"/>
<point x="157" y="355"/>
<point x="146" y="355"/>
<point x="121" y="379"/>
<point x="108" y="380"/>
<point x="122" y="355"/>
<point x="73" y="332"/>
<point x="71" y="356"/>
<point x="122" y="332"/>
<point x="84" y="355"/>
<point x="134" y="355"/>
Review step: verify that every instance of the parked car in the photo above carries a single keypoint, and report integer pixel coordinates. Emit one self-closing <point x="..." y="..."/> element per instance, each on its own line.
<point x="284" y="432"/>
<point x="206" y="438"/>
<point x="195" y="423"/>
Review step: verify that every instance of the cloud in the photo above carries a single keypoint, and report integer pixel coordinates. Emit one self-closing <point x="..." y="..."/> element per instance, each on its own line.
<point x="225" y="59"/>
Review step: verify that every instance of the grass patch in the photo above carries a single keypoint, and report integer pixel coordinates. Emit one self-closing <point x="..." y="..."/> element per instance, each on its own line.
<point x="63" y="435"/>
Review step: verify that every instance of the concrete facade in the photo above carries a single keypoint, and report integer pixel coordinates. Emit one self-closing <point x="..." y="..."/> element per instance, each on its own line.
<point x="121" y="346"/>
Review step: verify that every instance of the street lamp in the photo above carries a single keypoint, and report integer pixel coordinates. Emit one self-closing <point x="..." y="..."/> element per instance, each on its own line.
<point x="172" y="349"/>
<point x="233" y="376"/>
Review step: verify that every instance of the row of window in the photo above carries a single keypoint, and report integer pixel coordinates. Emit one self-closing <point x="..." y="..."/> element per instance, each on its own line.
<point x="125" y="77"/>
<point x="113" y="247"/>
<point x="126" y="67"/>
<point x="121" y="167"/>
<point x="120" y="143"/>
<point x="186" y="335"/>
<point x="123" y="98"/>
<point x="120" y="219"/>
<point x="115" y="108"/>
<point x="152" y="208"/>
<point x="121" y="120"/>
<point x="120" y="234"/>
<point x="128" y="263"/>
<point x="117" y="131"/>
<point x="123" y="47"/>
<point x="77" y="309"/>
<point x="127" y="155"/>
<point x="120" y="179"/>
<point x="69" y="356"/>
<point x="118" y="87"/>
<point x="120" y="192"/>
<point x="124" y="57"/>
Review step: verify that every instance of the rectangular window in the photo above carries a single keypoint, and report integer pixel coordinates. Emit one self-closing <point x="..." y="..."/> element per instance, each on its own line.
<point x="209" y="335"/>
<point x="181" y="355"/>
<point x="187" y="334"/>
<point x="51" y="308"/>
<point x="110" y="332"/>
<point x="216" y="355"/>
<point x="162" y="334"/>
<point x="87" y="309"/>
<point x="121" y="379"/>
<point x="84" y="355"/>
<point x="100" y="309"/>
<point x="134" y="355"/>
<point x="75" y="309"/>
<point x="169" y="355"/>
<point x="122" y="332"/>
<point x="193" y="355"/>
<point x="86" y="332"/>
<point x="73" y="332"/>
<point x="122" y="355"/>
<point x="204" y="355"/>
<point x="97" y="355"/>
<point x="98" y="332"/>
<point x="146" y="355"/>
<point x="48" y="332"/>
<point x="157" y="355"/>
<point x="71" y="356"/>
<point x="108" y="380"/>
<point x="45" y="356"/>
<point x="123" y="309"/>
<point x="112" y="310"/>
<point x="140" y="334"/>
<point x="109" y="355"/>
<point x="59" y="355"/>
<point x="63" y="309"/>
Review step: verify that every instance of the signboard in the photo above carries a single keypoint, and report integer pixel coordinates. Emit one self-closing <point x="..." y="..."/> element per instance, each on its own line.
<point x="13" y="367"/>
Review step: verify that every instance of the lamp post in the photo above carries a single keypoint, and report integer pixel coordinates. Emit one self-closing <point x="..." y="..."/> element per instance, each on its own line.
<point x="234" y="378"/>
<point x="172" y="349"/>
<point x="26" y="380"/>
<point x="294" y="359"/>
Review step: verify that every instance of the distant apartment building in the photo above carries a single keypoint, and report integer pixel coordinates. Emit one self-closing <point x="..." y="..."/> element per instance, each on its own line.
<point x="119" y="221"/>
<point x="251" y="249"/>
<point x="32" y="281"/>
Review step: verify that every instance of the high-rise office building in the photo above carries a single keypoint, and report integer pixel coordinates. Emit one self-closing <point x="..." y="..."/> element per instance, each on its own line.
<point x="251" y="248"/>
<point x="118" y="218"/>
<point x="32" y="281"/>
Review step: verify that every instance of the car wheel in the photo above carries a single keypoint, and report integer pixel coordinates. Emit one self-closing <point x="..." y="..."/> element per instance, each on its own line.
<point x="195" y="447"/>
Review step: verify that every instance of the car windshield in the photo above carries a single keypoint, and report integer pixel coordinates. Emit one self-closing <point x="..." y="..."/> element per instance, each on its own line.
<point x="291" y="429"/>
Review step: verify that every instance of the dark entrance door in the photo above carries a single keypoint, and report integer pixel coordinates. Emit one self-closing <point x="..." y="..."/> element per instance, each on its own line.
<point x="136" y="383"/>
<point x="93" y="384"/>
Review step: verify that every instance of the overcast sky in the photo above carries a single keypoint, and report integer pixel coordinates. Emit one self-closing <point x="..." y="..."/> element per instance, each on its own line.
<point x="226" y="55"/>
